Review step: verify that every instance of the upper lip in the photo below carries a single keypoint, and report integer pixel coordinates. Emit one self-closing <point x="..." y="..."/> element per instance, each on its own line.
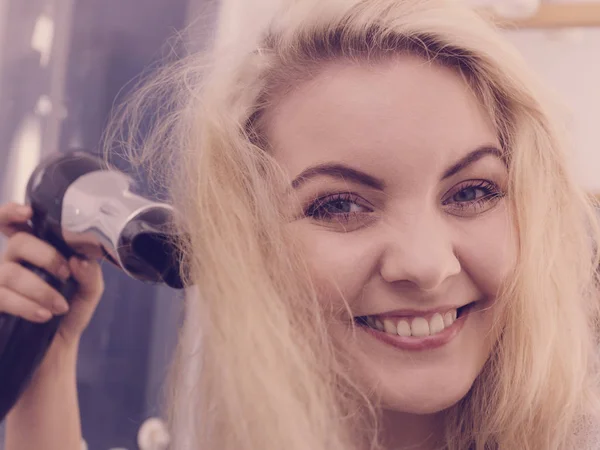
<point x="416" y="312"/>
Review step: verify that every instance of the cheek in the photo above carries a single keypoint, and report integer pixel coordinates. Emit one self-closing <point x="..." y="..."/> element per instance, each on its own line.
<point x="340" y="263"/>
<point x="487" y="248"/>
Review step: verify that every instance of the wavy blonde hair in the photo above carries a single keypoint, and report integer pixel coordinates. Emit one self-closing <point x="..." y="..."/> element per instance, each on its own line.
<point x="256" y="368"/>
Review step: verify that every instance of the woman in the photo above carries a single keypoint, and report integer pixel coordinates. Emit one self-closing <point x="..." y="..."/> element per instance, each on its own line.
<point x="389" y="250"/>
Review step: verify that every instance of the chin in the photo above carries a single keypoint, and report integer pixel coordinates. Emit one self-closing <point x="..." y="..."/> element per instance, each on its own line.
<point x="421" y="403"/>
<point x="421" y="393"/>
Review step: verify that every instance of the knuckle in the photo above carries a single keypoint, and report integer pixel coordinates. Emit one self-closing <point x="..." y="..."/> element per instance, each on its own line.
<point x="10" y="272"/>
<point x="18" y="240"/>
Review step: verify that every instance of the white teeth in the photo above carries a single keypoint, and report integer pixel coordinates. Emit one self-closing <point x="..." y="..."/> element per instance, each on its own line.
<point x="436" y="324"/>
<point x="389" y="327"/>
<point x="419" y="327"/>
<point x="403" y="328"/>
<point x="448" y="318"/>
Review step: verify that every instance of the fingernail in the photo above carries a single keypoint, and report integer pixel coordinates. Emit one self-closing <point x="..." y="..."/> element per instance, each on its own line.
<point x="84" y="264"/>
<point x="60" y="306"/>
<point x="43" y="314"/>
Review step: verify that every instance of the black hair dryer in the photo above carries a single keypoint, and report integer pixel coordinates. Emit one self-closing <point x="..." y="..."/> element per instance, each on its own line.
<point x="82" y="208"/>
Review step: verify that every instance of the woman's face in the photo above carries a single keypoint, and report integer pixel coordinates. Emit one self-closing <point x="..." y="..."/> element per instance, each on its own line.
<point x="400" y="184"/>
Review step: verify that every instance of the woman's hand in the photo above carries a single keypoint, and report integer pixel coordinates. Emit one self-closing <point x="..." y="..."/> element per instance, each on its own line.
<point x="24" y="294"/>
<point x="49" y="405"/>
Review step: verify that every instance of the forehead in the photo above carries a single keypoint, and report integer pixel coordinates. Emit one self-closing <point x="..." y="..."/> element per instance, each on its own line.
<point x="404" y="111"/>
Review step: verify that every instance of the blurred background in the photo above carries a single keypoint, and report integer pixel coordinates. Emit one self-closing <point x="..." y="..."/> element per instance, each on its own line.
<point x="64" y="64"/>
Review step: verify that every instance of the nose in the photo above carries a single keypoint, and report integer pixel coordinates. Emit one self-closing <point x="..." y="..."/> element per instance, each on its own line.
<point x="421" y="253"/>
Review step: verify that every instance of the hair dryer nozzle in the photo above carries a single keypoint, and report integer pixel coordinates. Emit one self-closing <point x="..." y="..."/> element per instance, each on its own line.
<point x="147" y="250"/>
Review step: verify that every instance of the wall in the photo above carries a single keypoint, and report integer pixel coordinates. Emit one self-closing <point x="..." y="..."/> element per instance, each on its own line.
<point x="570" y="64"/>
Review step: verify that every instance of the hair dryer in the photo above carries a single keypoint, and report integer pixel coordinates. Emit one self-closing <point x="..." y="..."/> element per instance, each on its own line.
<point x="84" y="209"/>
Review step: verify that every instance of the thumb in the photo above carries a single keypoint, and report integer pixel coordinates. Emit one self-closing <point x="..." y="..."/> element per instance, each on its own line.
<point x="88" y="275"/>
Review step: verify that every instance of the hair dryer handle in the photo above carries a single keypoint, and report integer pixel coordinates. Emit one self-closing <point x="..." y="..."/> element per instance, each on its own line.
<point x="24" y="344"/>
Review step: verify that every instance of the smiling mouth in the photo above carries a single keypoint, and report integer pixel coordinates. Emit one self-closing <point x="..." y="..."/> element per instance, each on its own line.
<point x="414" y="326"/>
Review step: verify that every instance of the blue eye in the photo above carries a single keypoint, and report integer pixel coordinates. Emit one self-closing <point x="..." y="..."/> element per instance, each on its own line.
<point x="470" y="194"/>
<point x="473" y="196"/>
<point x="339" y="207"/>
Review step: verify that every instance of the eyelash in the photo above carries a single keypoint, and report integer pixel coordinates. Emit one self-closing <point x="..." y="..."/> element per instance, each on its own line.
<point x="492" y="193"/>
<point x="316" y="209"/>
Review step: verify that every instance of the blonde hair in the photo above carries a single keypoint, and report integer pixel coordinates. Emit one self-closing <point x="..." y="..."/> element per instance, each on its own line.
<point x="256" y="368"/>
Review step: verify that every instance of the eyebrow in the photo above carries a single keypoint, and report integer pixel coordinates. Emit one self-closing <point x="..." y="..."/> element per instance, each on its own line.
<point x="339" y="170"/>
<point x="471" y="158"/>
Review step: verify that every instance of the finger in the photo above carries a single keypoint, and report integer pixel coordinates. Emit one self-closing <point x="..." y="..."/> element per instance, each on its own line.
<point x="27" y="247"/>
<point x="23" y="281"/>
<point x="91" y="285"/>
<point x="13" y="218"/>
<point x="17" y="305"/>
<point x="88" y="275"/>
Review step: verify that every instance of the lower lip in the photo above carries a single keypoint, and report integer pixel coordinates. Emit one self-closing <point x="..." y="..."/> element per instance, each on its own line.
<point x="419" y="343"/>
